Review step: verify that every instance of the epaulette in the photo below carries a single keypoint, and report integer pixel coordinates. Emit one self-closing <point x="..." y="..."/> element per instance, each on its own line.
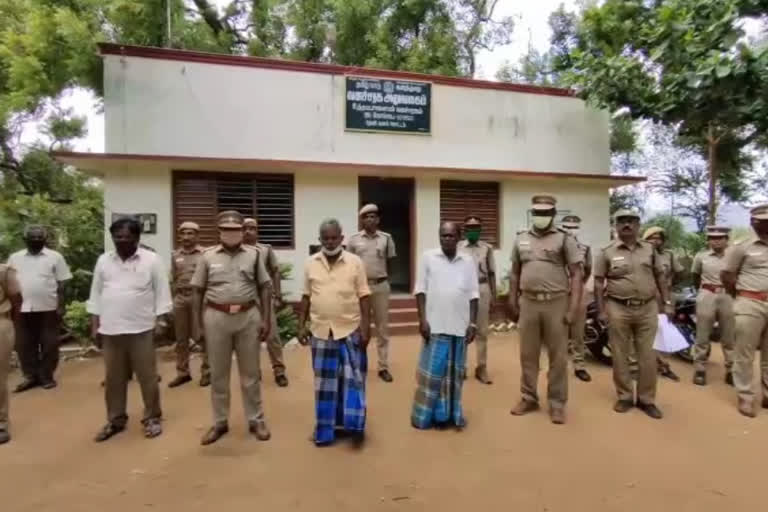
<point x="521" y="231"/>
<point x="211" y="248"/>
<point x="610" y="244"/>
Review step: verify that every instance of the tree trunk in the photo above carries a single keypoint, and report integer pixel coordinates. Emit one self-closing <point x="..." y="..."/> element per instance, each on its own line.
<point x="714" y="176"/>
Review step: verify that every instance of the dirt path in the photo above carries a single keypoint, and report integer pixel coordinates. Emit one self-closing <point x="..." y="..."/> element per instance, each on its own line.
<point x="703" y="456"/>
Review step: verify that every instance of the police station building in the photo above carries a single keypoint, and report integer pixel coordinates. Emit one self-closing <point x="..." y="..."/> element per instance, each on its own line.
<point x="189" y="134"/>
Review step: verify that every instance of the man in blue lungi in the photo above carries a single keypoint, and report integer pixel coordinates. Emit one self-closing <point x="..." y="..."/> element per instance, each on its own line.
<point x="336" y="300"/>
<point x="447" y="294"/>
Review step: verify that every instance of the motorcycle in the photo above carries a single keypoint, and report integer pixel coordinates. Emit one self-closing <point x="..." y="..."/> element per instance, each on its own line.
<point x="685" y="321"/>
<point x="596" y="336"/>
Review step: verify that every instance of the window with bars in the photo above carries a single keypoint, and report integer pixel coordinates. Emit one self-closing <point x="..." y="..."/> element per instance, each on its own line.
<point x="200" y="196"/>
<point x="459" y="199"/>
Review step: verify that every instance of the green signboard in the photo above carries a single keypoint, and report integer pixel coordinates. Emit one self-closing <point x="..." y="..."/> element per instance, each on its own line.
<point x="385" y="105"/>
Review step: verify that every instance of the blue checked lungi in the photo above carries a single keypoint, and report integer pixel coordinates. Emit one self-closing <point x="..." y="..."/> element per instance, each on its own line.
<point x="340" y="368"/>
<point x="439" y="382"/>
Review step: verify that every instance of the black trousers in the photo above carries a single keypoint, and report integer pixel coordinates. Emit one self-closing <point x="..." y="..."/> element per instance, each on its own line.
<point x="37" y="344"/>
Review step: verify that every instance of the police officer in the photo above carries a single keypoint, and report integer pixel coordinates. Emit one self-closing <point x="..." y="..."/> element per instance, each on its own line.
<point x="543" y="259"/>
<point x="628" y="276"/>
<point x="233" y="281"/>
<point x="183" y="263"/>
<point x="712" y="304"/>
<point x="376" y="249"/>
<point x="482" y="252"/>
<point x="745" y="276"/>
<point x="10" y="302"/>
<point x="673" y="270"/>
<point x="572" y="224"/>
<point x="274" y="343"/>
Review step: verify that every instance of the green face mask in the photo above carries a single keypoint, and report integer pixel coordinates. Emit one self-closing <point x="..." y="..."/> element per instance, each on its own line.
<point x="473" y="235"/>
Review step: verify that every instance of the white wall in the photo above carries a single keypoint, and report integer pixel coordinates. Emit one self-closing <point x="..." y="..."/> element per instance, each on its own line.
<point x="193" y="109"/>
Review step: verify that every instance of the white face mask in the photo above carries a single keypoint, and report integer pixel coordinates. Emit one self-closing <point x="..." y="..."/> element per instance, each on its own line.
<point x="332" y="252"/>
<point x="540" y="222"/>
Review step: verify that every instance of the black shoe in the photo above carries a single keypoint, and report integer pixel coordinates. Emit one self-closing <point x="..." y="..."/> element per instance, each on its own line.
<point x="583" y="375"/>
<point x="49" y="384"/>
<point x="668" y="373"/>
<point x="4" y="436"/>
<point x="623" y="406"/>
<point x="651" y="410"/>
<point x="179" y="380"/>
<point x="700" y="378"/>
<point x="385" y="376"/>
<point x="281" y="380"/>
<point x="26" y="385"/>
<point x="205" y="381"/>
<point x="214" y="434"/>
<point x="260" y="430"/>
<point x="109" y="430"/>
<point x="358" y="439"/>
<point x="765" y="403"/>
<point x="729" y="378"/>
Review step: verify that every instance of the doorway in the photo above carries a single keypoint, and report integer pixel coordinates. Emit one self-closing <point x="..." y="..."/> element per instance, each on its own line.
<point x="394" y="197"/>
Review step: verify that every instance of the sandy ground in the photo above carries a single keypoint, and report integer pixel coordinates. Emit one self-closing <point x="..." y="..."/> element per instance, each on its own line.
<point x="703" y="456"/>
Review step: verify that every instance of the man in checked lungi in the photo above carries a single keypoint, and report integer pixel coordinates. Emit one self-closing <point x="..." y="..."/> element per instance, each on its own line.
<point x="447" y="294"/>
<point x="336" y="300"/>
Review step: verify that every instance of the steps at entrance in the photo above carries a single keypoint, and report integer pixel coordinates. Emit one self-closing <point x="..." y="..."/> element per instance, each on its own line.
<point x="403" y="316"/>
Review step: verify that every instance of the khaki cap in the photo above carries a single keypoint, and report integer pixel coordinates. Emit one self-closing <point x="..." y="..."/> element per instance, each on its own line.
<point x="571" y="221"/>
<point x="369" y="208"/>
<point x="718" y="231"/>
<point x="229" y="219"/>
<point x="473" y="220"/>
<point x="624" y="212"/>
<point x="250" y="221"/>
<point x="654" y="230"/>
<point x="189" y="225"/>
<point x="543" y="202"/>
<point x="759" y="212"/>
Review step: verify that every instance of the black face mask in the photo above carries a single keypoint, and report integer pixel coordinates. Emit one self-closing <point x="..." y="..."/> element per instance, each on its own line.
<point x="35" y="246"/>
<point x="125" y="248"/>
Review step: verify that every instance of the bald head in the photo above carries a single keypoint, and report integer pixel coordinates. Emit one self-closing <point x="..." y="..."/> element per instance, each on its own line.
<point x="449" y="237"/>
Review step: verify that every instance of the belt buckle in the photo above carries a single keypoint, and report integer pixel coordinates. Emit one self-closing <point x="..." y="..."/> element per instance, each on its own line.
<point x="234" y="308"/>
<point x="635" y="303"/>
<point x="541" y="297"/>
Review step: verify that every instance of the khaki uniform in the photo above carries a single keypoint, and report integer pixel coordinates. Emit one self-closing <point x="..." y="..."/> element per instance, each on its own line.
<point x="544" y="287"/>
<point x="233" y="279"/>
<point x="183" y="266"/>
<point x="9" y="286"/>
<point x="482" y="252"/>
<point x="375" y="251"/>
<point x="579" y="322"/>
<point x="749" y="260"/>
<point x="274" y="343"/>
<point x="712" y="304"/>
<point x="630" y="299"/>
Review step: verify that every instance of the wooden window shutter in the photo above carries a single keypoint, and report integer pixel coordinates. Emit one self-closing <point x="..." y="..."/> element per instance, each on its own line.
<point x="458" y="199"/>
<point x="199" y="197"/>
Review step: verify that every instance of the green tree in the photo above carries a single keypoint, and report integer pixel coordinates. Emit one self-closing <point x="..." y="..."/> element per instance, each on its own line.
<point x="678" y="238"/>
<point x="683" y="63"/>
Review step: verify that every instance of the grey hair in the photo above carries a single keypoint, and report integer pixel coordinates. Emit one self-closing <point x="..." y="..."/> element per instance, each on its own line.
<point x="330" y="223"/>
<point x="35" y="229"/>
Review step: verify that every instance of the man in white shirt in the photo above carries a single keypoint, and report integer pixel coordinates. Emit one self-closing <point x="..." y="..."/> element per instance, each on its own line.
<point x="447" y="294"/>
<point x="129" y="291"/>
<point x="41" y="273"/>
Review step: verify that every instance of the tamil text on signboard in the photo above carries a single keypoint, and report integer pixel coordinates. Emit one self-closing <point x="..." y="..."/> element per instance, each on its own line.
<point x="375" y="104"/>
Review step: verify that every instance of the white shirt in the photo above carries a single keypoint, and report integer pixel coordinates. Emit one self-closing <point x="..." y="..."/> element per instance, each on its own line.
<point x="129" y="295"/>
<point x="448" y="287"/>
<point x="39" y="276"/>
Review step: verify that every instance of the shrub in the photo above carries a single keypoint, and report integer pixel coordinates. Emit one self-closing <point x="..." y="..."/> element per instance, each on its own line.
<point x="78" y="321"/>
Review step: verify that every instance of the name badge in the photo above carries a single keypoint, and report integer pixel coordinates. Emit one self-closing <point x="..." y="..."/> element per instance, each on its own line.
<point x="216" y="265"/>
<point x="524" y="243"/>
<point x="760" y="253"/>
<point x="179" y="260"/>
<point x="617" y="258"/>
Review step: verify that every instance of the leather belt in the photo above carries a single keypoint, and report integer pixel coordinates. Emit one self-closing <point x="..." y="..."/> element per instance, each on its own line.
<point x="763" y="296"/>
<point x="378" y="280"/>
<point x="543" y="296"/>
<point x="713" y="288"/>
<point x="631" y="303"/>
<point x="231" y="309"/>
